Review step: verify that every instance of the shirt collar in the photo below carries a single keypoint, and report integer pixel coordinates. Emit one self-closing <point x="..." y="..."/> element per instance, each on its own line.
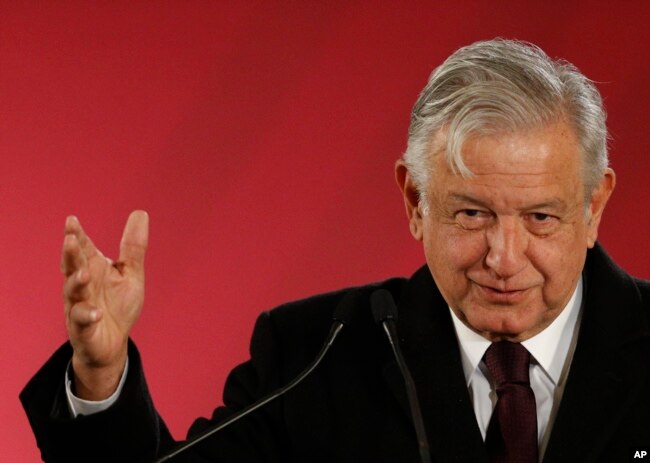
<point x="549" y="348"/>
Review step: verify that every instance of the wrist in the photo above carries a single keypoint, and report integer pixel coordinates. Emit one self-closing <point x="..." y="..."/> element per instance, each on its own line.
<point x="96" y="383"/>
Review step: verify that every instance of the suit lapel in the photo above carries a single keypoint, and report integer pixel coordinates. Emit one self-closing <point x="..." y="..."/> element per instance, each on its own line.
<point x="431" y="350"/>
<point x="605" y="377"/>
<point x="608" y="364"/>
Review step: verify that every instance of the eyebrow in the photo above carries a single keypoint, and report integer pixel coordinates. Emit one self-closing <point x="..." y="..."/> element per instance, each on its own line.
<point x="550" y="204"/>
<point x="467" y="199"/>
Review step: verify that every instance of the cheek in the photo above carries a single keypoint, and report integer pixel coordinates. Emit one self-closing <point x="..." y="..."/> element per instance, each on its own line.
<point x="451" y="250"/>
<point x="560" y="264"/>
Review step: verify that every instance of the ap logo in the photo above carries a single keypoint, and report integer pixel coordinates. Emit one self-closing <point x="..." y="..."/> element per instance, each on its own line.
<point x="640" y="454"/>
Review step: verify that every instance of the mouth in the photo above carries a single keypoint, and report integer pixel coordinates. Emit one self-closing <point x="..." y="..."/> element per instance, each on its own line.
<point x="501" y="296"/>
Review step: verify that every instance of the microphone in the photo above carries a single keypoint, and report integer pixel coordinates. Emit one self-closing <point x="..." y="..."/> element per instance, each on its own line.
<point x="341" y="318"/>
<point x="384" y="311"/>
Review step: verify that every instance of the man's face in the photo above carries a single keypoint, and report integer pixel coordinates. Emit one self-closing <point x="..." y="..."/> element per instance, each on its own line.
<point x="506" y="246"/>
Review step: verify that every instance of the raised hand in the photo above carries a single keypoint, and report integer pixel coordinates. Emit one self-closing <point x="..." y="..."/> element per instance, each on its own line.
<point x="102" y="300"/>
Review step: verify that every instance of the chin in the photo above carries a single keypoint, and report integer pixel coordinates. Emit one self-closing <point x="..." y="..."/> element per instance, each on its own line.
<point x="502" y="326"/>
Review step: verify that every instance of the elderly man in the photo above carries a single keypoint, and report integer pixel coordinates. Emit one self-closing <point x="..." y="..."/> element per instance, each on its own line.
<point x="524" y="340"/>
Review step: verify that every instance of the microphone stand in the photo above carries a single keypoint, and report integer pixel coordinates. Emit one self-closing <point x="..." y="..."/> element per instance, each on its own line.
<point x="341" y="315"/>
<point x="384" y="311"/>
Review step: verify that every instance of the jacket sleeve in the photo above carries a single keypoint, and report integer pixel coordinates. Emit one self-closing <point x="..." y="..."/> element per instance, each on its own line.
<point x="131" y="426"/>
<point x="132" y="431"/>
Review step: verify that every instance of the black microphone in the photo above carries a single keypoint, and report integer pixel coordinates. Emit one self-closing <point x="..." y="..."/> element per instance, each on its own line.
<point x="341" y="317"/>
<point x="385" y="312"/>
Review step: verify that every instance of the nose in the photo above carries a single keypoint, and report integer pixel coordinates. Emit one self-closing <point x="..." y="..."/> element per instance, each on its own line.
<point x="507" y="243"/>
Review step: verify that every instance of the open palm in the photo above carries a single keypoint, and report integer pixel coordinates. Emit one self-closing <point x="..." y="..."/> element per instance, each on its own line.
<point x="102" y="300"/>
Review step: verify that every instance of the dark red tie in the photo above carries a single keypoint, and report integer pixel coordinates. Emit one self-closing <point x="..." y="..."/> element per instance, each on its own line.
<point x="512" y="432"/>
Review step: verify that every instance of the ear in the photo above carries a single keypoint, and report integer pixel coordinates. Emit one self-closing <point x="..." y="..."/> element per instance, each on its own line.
<point x="599" y="198"/>
<point x="411" y="198"/>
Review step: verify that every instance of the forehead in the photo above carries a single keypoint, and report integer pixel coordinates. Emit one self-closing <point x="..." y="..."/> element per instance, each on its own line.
<point x="544" y="161"/>
<point x="527" y="151"/>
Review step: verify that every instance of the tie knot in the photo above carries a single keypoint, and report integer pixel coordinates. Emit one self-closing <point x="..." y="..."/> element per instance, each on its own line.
<point x="508" y="362"/>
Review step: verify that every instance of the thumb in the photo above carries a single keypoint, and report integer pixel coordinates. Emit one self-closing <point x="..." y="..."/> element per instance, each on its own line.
<point x="135" y="239"/>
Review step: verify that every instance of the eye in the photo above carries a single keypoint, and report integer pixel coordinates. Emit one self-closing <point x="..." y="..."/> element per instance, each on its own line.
<point x="540" y="217"/>
<point x="472" y="218"/>
<point x="542" y="223"/>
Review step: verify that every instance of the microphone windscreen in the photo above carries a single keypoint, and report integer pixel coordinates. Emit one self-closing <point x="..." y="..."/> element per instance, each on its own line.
<point x="383" y="306"/>
<point x="345" y="308"/>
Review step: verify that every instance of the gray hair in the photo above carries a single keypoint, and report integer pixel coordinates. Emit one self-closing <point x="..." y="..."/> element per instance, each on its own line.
<point x="498" y="85"/>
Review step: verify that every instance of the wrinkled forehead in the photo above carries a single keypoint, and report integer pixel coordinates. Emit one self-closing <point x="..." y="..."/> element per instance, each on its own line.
<point x="512" y="171"/>
<point x="507" y="148"/>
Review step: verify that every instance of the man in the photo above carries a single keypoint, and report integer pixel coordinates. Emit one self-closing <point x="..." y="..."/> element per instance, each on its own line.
<point x="524" y="340"/>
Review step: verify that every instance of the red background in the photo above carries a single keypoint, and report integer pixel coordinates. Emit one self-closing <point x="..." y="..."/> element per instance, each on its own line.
<point x="261" y="137"/>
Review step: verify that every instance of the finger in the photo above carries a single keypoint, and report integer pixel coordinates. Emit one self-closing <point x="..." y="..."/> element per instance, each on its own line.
<point x="76" y="287"/>
<point x="73" y="227"/>
<point x="83" y="315"/>
<point x="72" y="258"/>
<point x="135" y="238"/>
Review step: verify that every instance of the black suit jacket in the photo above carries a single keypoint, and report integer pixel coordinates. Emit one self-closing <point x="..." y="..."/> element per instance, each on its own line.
<point x="353" y="408"/>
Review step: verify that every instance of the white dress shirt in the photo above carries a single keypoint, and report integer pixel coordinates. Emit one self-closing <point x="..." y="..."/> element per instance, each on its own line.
<point x="79" y="406"/>
<point x="551" y="352"/>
